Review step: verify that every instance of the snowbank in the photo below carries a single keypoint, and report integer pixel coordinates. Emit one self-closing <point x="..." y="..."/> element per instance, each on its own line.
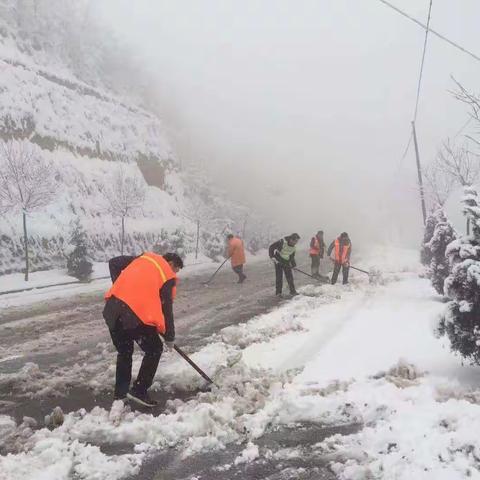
<point x="16" y="281"/>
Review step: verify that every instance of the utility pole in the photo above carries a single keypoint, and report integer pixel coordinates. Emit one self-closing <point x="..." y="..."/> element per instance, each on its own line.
<point x="419" y="171"/>
<point x="198" y="236"/>
<point x="244" y="227"/>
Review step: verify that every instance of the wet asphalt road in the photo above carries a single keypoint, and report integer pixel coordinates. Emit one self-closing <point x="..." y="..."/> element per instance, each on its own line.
<point x="53" y="334"/>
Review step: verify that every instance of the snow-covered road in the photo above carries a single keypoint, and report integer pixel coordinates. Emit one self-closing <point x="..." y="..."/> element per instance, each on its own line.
<point x="47" y="348"/>
<point x="340" y="382"/>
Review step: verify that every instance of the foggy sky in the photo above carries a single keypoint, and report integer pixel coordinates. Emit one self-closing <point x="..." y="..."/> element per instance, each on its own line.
<point x="302" y="109"/>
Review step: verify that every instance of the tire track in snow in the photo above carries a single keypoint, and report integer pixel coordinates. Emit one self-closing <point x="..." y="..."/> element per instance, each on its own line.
<point x="335" y="325"/>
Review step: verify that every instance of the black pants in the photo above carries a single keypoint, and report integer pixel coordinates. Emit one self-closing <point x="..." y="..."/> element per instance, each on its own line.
<point x="336" y="271"/>
<point x="315" y="264"/>
<point x="280" y="269"/>
<point x="239" y="271"/>
<point x="147" y="339"/>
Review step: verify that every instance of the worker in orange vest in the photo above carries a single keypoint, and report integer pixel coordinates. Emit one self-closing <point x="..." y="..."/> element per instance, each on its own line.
<point x="138" y="307"/>
<point x="342" y="247"/>
<point x="317" y="251"/>
<point x="236" y="252"/>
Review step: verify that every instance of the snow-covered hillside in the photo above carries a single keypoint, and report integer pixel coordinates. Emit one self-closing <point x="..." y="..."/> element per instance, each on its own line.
<point x="88" y="132"/>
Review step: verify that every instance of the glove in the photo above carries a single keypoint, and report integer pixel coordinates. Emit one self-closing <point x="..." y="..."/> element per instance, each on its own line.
<point x="168" y="345"/>
<point x="274" y="260"/>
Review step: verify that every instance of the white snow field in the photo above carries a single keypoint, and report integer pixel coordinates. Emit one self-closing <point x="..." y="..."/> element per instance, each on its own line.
<point x="361" y="354"/>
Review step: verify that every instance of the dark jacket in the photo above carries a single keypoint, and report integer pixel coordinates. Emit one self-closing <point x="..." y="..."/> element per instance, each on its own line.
<point x="342" y="243"/>
<point x="321" y="241"/>
<point x="116" y="309"/>
<point x="274" y="252"/>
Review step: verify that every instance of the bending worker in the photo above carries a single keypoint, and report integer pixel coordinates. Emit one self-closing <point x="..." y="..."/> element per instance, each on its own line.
<point x="138" y="307"/>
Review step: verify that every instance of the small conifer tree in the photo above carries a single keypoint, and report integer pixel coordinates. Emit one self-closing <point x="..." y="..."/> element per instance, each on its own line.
<point x="78" y="264"/>
<point x="439" y="268"/>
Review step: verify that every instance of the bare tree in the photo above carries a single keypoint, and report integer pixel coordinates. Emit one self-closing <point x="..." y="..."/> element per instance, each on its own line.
<point x="125" y="197"/>
<point x="26" y="183"/>
<point x="438" y="185"/>
<point x="201" y="216"/>
<point x="453" y="166"/>
<point x="469" y="98"/>
<point x="472" y="100"/>
<point x="459" y="163"/>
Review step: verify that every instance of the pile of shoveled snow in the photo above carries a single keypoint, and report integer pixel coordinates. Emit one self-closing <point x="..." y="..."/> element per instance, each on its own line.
<point x="31" y="381"/>
<point x="409" y="432"/>
<point x="208" y="422"/>
<point x="426" y="429"/>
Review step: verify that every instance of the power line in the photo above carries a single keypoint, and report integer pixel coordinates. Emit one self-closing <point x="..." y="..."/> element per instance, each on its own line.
<point x="414" y="133"/>
<point x="402" y="158"/>
<point x="433" y="32"/>
<point x="423" y="61"/>
<point x="418" y="85"/>
<point x="407" y="148"/>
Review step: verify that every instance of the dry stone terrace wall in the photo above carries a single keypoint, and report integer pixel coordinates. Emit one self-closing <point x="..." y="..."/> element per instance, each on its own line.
<point x="55" y="112"/>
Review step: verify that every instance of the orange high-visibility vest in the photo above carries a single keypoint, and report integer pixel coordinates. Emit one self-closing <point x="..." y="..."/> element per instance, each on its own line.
<point x="139" y="287"/>
<point x="341" y="256"/>
<point x="315" y="250"/>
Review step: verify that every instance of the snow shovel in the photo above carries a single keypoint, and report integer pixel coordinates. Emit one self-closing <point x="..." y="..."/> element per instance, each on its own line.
<point x="373" y="276"/>
<point x="311" y="276"/>
<point x="189" y="361"/>
<point x="216" y="271"/>
<point x="359" y="270"/>
<point x="193" y="364"/>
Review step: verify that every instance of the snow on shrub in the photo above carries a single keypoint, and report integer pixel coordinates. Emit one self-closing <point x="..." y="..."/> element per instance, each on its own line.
<point x="254" y="245"/>
<point x="176" y="242"/>
<point x="214" y="245"/>
<point x="430" y="224"/>
<point x="461" y="322"/>
<point x="439" y="268"/>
